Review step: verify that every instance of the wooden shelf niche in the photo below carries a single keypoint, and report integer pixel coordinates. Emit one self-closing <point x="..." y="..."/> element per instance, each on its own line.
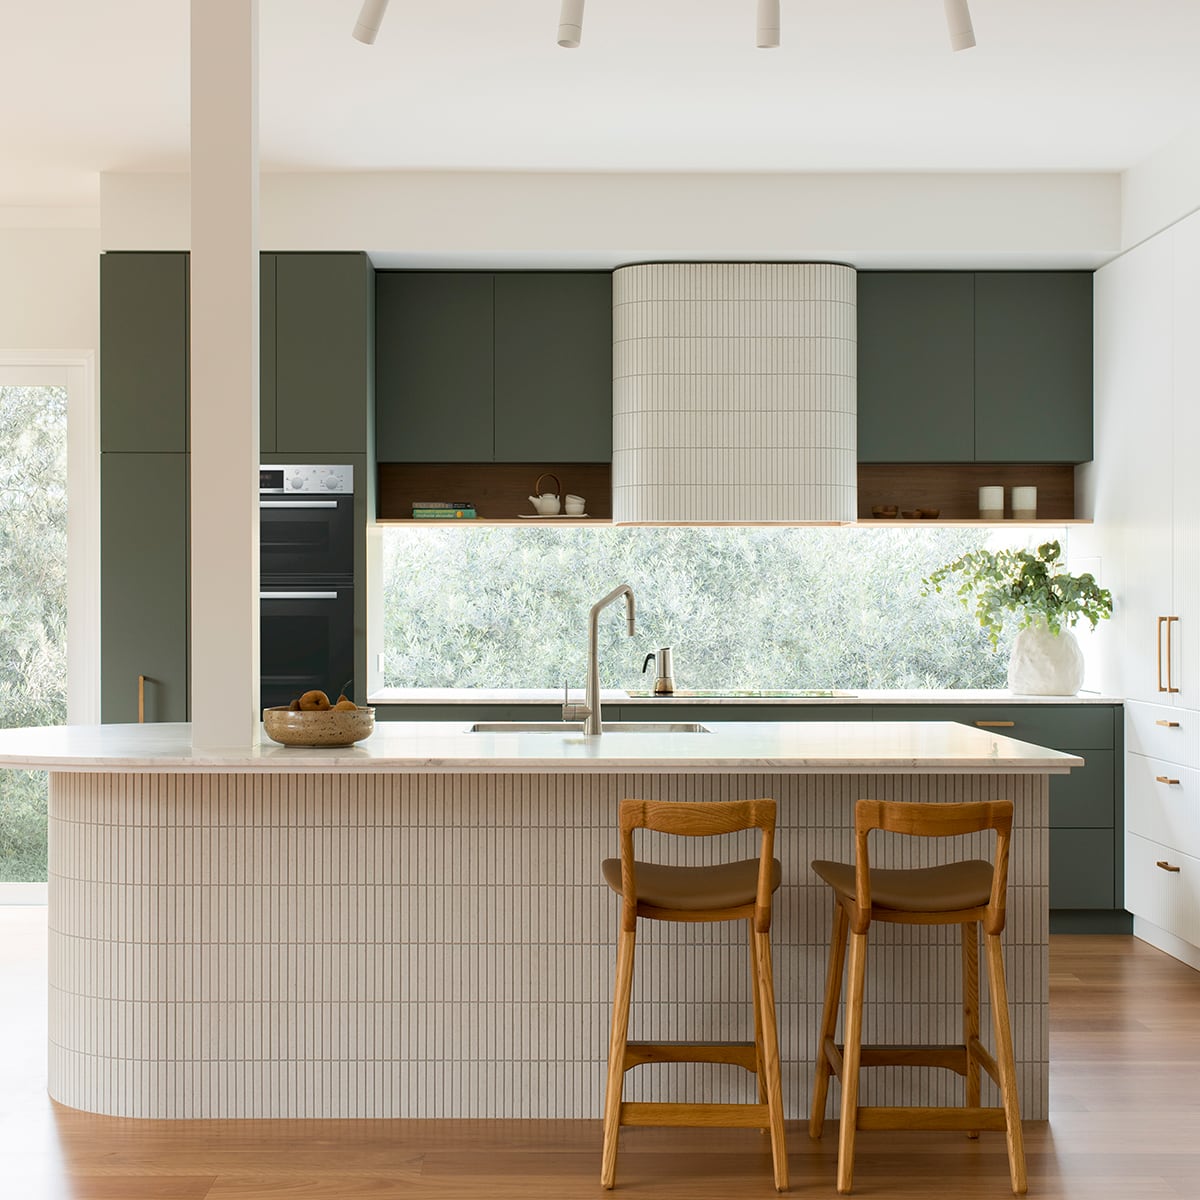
<point x="499" y="491"/>
<point x="954" y="488"/>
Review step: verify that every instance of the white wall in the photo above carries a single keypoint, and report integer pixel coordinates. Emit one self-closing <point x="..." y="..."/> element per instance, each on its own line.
<point x="541" y="219"/>
<point x="49" y="280"/>
<point x="1161" y="189"/>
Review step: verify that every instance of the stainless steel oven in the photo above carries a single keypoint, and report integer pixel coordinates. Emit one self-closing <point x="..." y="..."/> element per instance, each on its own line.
<point x="306" y="525"/>
<point x="306" y="581"/>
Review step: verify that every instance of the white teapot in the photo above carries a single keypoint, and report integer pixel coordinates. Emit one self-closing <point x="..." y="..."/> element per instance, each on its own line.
<point x="547" y="504"/>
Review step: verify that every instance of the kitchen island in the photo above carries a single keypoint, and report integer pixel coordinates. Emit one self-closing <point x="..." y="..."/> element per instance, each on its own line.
<point x="416" y="926"/>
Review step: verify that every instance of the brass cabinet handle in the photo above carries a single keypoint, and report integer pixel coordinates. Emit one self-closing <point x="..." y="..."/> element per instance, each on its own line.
<point x="141" y="699"/>
<point x="1164" y="779"/>
<point x="1168" y="620"/>
<point x="995" y="724"/>
<point x="1168" y="724"/>
<point x="1158" y="638"/>
<point x="1166" y="866"/>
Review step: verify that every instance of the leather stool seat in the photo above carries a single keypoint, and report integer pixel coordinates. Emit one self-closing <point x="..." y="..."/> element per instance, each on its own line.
<point x="693" y="889"/>
<point x="918" y="890"/>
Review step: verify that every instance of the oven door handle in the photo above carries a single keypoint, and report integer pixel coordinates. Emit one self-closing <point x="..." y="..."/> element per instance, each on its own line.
<point x="297" y="504"/>
<point x="297" y="595"/>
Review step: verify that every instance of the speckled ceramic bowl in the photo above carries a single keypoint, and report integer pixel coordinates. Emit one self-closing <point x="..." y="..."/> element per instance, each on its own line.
<point x="333" y="727"/>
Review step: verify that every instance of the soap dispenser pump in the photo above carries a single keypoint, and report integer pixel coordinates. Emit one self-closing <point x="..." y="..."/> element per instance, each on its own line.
<point x="664" y="684"/>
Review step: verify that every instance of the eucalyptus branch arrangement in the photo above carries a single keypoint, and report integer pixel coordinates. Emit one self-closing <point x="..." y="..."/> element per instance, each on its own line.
<point x="1037" y="587"/>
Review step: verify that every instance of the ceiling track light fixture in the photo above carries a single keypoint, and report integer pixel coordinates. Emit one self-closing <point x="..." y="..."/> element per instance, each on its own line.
<point x="570" y="24"/>
<point x="369" y="20"/>
<point x="768" y="24"/>
<point x="958" y="25"/>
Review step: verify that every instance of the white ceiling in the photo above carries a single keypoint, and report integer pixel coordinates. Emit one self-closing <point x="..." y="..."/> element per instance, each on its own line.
<point x="858" y="85"/>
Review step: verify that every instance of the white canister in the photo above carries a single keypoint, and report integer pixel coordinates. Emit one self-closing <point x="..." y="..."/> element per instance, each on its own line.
<point x="1024" y="503"/>
<point x="991" y="503"/>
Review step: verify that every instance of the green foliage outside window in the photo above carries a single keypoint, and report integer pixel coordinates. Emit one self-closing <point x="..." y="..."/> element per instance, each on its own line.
<point x="753" y="608"/>
<point x="33" y="605"/>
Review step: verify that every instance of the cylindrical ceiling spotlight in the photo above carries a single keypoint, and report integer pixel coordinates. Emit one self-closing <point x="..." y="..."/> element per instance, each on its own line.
<point x="958" y="25"/>
<point x="768" y="24"/>
<point x="570" y="24"/>
<point x="369" y="21"/>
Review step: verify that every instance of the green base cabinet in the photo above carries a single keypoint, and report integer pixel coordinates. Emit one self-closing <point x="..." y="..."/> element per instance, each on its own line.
<point x="144" y="586"/>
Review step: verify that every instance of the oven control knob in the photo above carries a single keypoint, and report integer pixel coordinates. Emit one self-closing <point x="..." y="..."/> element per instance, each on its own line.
<point x="331" y="483"/>
<point x="296" y="482"/>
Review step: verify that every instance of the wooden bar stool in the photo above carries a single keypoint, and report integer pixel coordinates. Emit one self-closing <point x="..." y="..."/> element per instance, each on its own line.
<point x="726" y="892"/>
<point x="961" y="893"/>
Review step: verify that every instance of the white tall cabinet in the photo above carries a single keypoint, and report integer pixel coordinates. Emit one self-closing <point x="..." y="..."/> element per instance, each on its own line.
<point x="1144" y="492"/>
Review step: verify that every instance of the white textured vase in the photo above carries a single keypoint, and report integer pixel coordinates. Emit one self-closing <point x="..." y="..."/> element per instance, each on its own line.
<point x="1045" y="663"/>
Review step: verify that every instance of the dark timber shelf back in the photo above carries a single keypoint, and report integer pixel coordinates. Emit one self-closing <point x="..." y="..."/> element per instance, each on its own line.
<point x="954" y="487"/>
<point x="499" y="491"/>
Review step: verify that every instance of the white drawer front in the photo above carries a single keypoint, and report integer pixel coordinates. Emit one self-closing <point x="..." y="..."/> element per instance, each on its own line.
<point x="1168" y="898"/>
<point x="1161" y="732"/>
<point x="1162" y="802"/>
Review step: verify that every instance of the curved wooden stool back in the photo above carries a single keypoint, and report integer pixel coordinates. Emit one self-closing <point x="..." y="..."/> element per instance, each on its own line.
<point x="911" y="897"/>
<point x="761" y="1057"/>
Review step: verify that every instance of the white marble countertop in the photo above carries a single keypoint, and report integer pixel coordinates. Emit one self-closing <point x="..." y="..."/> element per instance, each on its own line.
<point x="812" y="747"/>
<point x="616" y="696"/>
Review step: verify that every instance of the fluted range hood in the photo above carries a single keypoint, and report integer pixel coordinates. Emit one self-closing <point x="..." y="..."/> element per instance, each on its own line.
<point x="734" y="394"/>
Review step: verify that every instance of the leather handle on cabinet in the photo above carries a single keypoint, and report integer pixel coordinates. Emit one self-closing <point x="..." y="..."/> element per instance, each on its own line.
<point x="995" y="724"/>
<point x="1169" y="620"/>
<point x="1168" y="724"/>
<point x="1158" y="626"/>
<point x="1166" y="866"/>
<point x="141" y="699"/>
<point x="1165" y="779"/>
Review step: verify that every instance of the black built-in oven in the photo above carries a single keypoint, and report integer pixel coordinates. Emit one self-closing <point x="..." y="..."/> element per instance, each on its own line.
<point x="306" y="581"/>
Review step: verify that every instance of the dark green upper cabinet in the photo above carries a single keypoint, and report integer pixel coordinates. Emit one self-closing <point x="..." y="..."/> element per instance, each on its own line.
<point x="144" y="360"/>
<point x="916" y="366"/>
<point x="266" y="353"/>
<point x="144" y="585"/>
<point x="433" y="366"/>
<point x="1033" y="366"/>
<point x="553" y="383"/>
<point x="323" y="351"/>
<point x="506" y="367"/>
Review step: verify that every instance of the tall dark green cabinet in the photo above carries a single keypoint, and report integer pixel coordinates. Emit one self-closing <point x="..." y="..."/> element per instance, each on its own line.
<point x="143" y="485"/>
<point x="317" y="372"/>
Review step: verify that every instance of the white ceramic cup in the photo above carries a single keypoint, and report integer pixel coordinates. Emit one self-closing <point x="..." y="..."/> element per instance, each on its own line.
<point x="991" y="503"/>
<point x="575" y="505"/>
<point x="1024" y="503"/>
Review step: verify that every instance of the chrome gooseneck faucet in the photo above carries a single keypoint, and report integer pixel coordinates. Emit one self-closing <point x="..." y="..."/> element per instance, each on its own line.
<point x="589" y="710"/>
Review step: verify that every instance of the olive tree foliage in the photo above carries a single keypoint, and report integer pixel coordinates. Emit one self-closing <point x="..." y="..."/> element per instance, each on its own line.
<point x="745" y="608"/>
<point x="33" y="604"/>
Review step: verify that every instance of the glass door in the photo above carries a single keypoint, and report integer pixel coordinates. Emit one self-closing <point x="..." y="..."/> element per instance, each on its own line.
<point x="34" y="402"/>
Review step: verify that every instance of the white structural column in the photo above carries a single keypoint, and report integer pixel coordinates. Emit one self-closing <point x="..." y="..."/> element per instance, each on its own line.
<point x="224" y="373"/>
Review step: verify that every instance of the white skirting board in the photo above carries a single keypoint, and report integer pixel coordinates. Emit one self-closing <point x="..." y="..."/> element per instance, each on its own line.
<point x="442" y="945"/>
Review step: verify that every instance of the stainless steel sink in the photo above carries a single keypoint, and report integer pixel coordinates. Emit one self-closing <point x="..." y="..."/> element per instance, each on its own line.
<point x="577" y="727"/>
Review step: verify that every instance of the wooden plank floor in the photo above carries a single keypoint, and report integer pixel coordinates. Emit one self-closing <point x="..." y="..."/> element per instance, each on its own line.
<point x="1125" y="1123"/>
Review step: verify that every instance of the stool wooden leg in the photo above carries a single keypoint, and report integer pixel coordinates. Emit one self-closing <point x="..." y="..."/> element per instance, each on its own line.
<point x="851" y="1056"/>
<point x="829" y="1016"/>
<point x="770" y="1047"/>
<point x="1005" y="1064"/>
<point x="756" y="1000"/>
<point x="970" y="1012"/>
<point x="616" y="1056"/>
